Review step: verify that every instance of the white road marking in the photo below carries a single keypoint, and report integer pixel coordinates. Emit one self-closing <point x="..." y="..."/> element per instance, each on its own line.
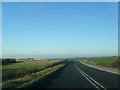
<point x="91" y="80"/>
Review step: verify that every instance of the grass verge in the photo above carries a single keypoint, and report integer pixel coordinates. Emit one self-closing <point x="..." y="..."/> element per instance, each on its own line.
<point x="23" y="68"/>
<point x="112" y="62"/>
<point x="29" y="79"/>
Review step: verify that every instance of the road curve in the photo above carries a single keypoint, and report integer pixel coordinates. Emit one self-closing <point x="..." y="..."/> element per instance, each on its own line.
<point x="77" y="75"/>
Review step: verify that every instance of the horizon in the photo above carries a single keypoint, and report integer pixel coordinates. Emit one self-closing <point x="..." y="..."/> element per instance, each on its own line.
<point x="55" y="57"/>
<point x="66" y="29"/>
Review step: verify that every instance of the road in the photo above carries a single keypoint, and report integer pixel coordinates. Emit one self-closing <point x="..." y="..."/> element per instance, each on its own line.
<point x="77" y="75"/>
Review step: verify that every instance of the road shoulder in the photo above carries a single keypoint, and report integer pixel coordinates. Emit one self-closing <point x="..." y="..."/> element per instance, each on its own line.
<point x="111" y="70"/>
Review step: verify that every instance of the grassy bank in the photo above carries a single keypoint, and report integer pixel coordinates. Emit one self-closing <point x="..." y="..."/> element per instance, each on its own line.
<point x="21" y="68"/>
<point x="29" y="79"/>
<point x="112" y="62"/>
<point x="23" y="73"/>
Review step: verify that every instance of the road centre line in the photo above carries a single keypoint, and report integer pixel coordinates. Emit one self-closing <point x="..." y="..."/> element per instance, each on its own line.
<point x="91" y="80"/>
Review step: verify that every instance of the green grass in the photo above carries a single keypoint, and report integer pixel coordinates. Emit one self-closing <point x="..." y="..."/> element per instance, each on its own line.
<point x="29" y="79"/>
<point x="103" y="61"/>
<point x="20" y="69"/>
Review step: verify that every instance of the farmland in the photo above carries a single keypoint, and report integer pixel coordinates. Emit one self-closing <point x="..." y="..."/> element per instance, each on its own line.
<point x="40" y="73"/>
<point x="112" y="62"/>
<point x="23" y="73"/>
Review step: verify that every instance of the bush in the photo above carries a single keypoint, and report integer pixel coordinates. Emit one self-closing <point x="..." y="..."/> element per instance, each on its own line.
<point x="115" y="64"/>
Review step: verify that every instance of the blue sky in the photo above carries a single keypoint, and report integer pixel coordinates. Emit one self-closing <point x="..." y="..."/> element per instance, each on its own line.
<point x="52" y="29"/>
<point x="60" y="0"/>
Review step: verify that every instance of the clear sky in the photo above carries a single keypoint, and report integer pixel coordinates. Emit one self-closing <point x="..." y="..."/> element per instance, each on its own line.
<point x="52" y="29"/>
<point x="60" y="0"/>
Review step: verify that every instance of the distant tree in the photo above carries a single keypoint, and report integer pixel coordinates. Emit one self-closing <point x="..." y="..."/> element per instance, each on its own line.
<point x="114" y="56"/>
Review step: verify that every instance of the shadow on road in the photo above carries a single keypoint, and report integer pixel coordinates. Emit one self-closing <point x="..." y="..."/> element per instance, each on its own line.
<point x="47" y="80"/>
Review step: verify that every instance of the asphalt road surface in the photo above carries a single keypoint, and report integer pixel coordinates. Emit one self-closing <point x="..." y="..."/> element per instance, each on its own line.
<point x="77" y="75"/>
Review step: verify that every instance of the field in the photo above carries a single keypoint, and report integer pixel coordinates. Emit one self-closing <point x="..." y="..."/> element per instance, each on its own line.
<point x="103" y="61"/>
<point x="23" y="73"/>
